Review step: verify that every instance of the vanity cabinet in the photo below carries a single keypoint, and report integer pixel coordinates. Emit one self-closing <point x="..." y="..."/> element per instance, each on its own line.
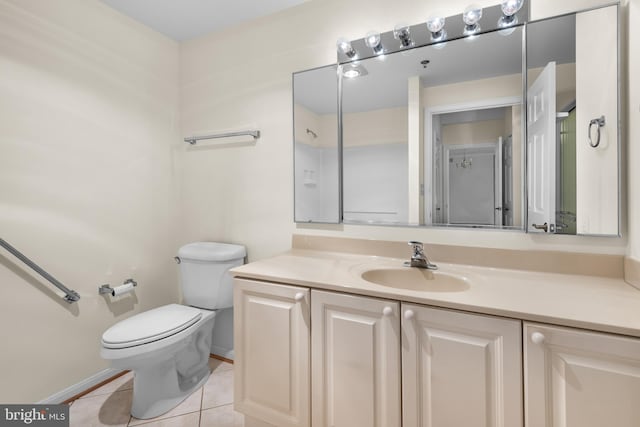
<point x="355" y="361"/>
<point x="371" y="362"/>
<point x="460" y="369"/>
<point x="576" y="378"/>
<point x="272" y="333"/>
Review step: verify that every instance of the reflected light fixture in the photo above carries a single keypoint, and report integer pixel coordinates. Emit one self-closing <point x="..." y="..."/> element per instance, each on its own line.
<point x="345" y="47"/>
<point x="401" y="32"/>
<point x="372" y="40"/>
<point x="435" y="25"/>
<point x="351" y="71"/>
<point x="471" y="16"/>
<point x="509" y="10"/>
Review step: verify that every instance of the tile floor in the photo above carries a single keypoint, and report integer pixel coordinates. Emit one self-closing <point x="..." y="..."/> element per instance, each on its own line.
<point x="211" y="405"/>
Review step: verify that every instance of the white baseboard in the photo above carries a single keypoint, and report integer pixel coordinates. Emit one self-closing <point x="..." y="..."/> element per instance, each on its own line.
<point x="78" y="388"/>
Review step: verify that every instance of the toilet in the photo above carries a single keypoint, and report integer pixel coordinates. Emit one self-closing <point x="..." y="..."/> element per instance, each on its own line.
<point x="168" y="347"/>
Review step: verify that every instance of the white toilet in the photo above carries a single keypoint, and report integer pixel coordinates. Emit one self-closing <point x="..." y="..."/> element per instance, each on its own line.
<point x="168" y="347"/>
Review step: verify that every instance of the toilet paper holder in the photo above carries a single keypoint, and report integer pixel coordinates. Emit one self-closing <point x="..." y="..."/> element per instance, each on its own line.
<point x="107" y="289"/>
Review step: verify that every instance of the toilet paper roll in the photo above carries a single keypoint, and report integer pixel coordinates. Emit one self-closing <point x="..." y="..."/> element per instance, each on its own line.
<point x="122" y="289"/>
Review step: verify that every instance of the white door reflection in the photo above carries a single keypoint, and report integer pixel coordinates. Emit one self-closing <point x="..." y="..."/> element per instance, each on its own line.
<point x="473" y="172"/>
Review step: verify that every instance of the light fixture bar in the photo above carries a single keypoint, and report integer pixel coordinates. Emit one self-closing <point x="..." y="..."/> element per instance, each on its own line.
<point x="419" y="35"/>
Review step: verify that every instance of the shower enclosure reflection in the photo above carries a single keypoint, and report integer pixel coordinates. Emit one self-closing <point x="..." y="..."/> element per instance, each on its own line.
<point x="316" y="156"/>
<point x="375" y="154"/>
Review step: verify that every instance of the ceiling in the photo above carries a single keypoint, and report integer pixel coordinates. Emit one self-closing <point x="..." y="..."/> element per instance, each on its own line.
<point x="186" y="19"/>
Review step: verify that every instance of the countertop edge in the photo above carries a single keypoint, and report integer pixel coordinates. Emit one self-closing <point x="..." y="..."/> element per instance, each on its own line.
<point x="252" y="271"/>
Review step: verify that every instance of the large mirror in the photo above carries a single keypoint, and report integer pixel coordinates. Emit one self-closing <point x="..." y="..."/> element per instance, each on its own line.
<point x="316" y="154"/>
<point x="433" y="135"/>
<point x="572" y="129"/>
<point x="458" y="134"/>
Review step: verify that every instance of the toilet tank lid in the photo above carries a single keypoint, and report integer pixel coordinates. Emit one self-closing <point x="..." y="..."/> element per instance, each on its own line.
<point x="211" y="251"/>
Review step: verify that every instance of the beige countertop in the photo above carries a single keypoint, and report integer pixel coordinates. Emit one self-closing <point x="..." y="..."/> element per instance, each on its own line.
<point x="598" y="303"/>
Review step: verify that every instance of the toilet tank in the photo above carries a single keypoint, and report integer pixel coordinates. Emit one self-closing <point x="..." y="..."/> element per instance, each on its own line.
<point x="204" y="270"/>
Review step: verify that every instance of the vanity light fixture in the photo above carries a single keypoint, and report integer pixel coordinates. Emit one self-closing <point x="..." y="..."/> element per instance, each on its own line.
<point x="509" y="10"/>
<point x="372" y="40"/>
<point x="435" y="25"/>
<point x="401" y="32"/>
<point x="505" y="18"/>
<point x="471" y="16"/>
<point x="345" y="47"/>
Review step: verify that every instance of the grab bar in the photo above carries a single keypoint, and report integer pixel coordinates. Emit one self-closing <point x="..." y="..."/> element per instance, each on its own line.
<point x="193" y="139"/>
<point x="70" y="297"/>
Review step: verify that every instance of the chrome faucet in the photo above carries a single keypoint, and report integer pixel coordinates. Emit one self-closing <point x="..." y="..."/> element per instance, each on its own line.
<point x="418" y="257"/>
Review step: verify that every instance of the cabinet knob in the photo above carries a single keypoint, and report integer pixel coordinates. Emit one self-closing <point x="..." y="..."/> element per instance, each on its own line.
<point x="409" y="314"/>
<point x="299" y="296"/>
<point x="537" y="338"/>
<point x="387" y="311"/>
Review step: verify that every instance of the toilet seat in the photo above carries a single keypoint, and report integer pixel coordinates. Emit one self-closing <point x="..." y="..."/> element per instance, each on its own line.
<point x="152" y="325"/>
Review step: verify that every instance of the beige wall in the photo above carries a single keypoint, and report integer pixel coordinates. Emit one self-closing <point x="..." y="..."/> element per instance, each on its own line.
<point x="307" y="119"/>
<point x="597" y="168"/>
<point x="88" y="116"/>
<point x="244" y="194"/>
<point x="325" y="127"/>
<point x="480" y="132"/>
<point x="384" y="126"/>
<point x="472" y="91"/>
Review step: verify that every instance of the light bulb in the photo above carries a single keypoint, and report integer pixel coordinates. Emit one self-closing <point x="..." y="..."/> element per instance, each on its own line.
<point x="509" y="10"/>
<point x="435" y="24"/>
<point x="345" y="47"/>
<point x="472" y="15"/>
<point x="511" y="7"/>
<point x="402" y="32"/>
<point x="352" y="73"/>
<point x="353" y="70"/>
<point x="372" y="39"/>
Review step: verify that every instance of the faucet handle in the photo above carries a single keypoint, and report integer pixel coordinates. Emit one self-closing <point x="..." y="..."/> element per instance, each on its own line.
<point x="417" y="247"/>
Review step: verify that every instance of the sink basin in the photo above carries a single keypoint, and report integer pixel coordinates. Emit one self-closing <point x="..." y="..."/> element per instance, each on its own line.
<point x="416" y="279"/>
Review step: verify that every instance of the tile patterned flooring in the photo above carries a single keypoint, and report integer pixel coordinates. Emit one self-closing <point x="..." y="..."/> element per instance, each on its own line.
<point x="210" y="405"/>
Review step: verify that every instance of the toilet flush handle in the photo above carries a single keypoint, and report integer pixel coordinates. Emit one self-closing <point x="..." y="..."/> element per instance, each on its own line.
<point x="177" y="259"/>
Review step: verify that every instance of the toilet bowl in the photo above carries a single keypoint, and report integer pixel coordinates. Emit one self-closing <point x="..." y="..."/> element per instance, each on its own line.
<point x="168" y="347"/>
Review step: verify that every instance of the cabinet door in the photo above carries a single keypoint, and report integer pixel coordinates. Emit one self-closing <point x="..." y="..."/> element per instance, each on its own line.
<point x="271" y="368"/>
<point x="460" y="369"/>
<point x="580" y="379"/>
<point x="355" y="361"/>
